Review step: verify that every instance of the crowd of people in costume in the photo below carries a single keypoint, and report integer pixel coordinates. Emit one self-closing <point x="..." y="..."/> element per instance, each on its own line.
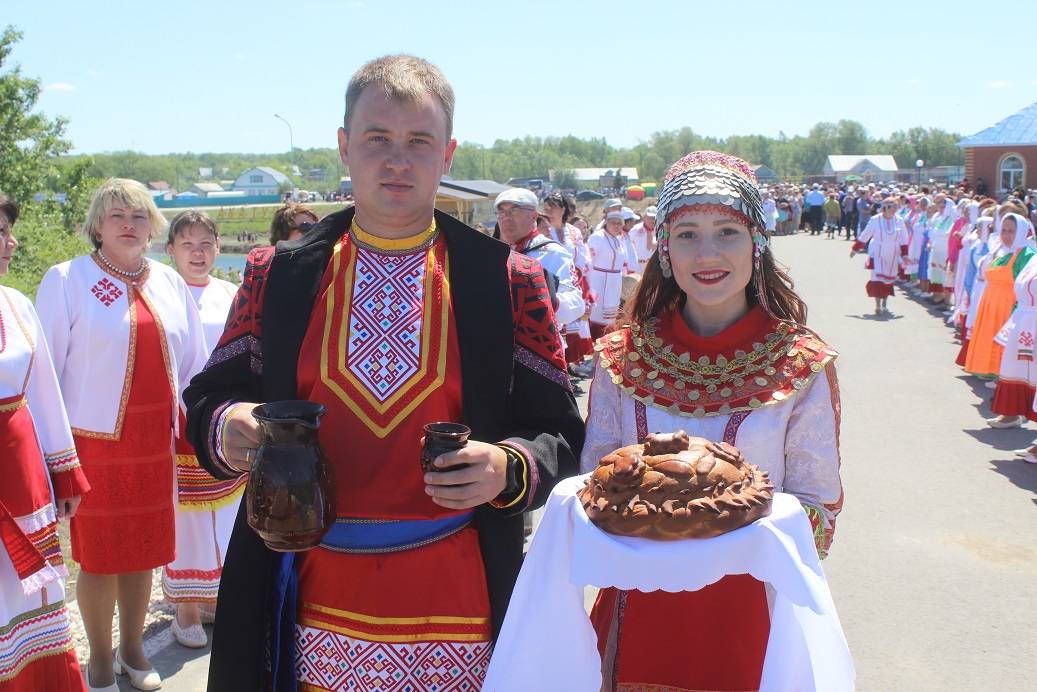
<point x="972" y="259"/>
<point x="128" y="392"/>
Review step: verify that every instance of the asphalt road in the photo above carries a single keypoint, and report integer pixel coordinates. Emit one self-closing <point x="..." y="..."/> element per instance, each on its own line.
<point x="934" y="565"/>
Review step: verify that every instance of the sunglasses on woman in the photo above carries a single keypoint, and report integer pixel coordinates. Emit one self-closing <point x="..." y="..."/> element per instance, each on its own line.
<point x="304" y="227"/>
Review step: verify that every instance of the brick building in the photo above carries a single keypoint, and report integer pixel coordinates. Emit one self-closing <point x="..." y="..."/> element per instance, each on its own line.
<point x="1004" y="155"/>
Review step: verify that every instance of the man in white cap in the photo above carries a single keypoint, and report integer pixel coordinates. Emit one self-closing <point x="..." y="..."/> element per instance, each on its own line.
<point x="642" y="236"/>
<point x="517" y="219"/>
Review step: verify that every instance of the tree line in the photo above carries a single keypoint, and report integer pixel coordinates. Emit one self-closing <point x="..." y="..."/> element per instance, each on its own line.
<point x="533" y="157"/>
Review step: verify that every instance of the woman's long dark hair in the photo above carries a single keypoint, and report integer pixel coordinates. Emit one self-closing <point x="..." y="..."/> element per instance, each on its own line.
<point x="561" y="200"/>
<point x="657" y="295"/>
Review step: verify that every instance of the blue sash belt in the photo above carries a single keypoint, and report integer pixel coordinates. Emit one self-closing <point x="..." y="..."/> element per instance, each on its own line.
<point x="347" y="535"/>
<point x="365" y="536"/>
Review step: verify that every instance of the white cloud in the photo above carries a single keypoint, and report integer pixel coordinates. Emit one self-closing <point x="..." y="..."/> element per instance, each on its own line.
<point x="59" y="86"/>
<point x="914" y="80"/>
<point x="999" y="84"/>
<point x="239" y="56"/>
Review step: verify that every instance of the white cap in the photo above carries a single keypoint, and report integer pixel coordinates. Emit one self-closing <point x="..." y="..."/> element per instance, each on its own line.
<point x="627" y="213"/>
<point x="651" y="211"/>
<point x="518" y="196"/>
<point x="614" y="215"/>
<point x="612" y="203"/>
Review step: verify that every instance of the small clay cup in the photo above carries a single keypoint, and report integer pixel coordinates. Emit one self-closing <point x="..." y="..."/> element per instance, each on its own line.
<point x="441" y="438"/>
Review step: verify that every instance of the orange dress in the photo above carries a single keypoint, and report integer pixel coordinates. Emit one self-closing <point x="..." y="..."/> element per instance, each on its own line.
<point x="126" y="522"/>
<point x="984" y="354"/>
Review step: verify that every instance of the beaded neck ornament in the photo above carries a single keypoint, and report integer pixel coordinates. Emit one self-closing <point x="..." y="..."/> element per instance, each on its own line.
<point x="708" y="181"/>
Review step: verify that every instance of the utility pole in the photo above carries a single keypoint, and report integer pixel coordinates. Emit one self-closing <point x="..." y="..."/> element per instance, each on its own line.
<point x="291" y="145"/>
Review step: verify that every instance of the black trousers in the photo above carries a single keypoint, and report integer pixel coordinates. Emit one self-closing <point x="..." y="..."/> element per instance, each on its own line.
<point x="817" y="220"/>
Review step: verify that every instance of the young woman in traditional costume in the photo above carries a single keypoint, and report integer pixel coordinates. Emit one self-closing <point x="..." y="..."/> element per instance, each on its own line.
<point x="918" y="248"/>
<point x="41" y="482"/>
<point x="125" y="337"/>
<point x="958" y="260"/>
<point x="713" y="344"/>
<point x="611" y="260"/>
<point x="1014" y="396"/>
<point x="976" y="257"/>
<point x="885" y="239"/>
<point x="559" y="210"/>
<point x="207" y="506"/>
<point x="940" y="280"/>
<point x="984" y="355"/>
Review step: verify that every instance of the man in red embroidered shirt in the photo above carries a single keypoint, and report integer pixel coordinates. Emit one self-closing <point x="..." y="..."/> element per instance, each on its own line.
<point x="392" y="316"/>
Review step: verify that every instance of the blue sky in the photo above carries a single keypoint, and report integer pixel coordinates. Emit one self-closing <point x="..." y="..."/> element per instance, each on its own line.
<point x="209" y="76"/>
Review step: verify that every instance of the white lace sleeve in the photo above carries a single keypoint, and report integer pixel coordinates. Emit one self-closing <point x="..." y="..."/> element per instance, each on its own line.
<point x="604" y="420"/>
<point x="812" y="447"/>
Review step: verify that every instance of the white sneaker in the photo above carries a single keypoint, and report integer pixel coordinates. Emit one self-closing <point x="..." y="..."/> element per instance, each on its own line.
<point x="1002" y="423"/>
<point x="925" y="295"/>
<point x="990" y="384"/>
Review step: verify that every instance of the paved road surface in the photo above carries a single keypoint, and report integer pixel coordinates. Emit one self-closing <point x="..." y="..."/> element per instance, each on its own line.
<point x="934" y="565"/>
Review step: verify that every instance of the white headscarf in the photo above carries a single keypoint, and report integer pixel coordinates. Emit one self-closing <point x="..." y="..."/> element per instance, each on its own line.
<point x="973" y="213"/>
<point x="1023" y="234"/>
<point x="984" y="236"/>
<point x="949" y="210"/>
<point x="983" y="228"/>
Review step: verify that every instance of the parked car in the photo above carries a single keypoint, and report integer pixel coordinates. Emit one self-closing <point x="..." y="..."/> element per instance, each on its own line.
<point x="588" y="195"/>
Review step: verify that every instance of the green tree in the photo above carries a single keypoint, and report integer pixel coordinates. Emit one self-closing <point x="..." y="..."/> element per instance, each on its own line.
<point x="43" y="242"/>
<point x="79" y="187"/>
<point x="565" y="179"/>
<point x="29" y="142"/>
<point x="851" y="138"/>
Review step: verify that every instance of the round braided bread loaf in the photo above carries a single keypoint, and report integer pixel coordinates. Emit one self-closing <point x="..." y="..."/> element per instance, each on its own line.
<point x="674" y="486"/>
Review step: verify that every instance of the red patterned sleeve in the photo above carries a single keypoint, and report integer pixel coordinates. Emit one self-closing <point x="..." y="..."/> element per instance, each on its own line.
<point x="538" y="345"/>
<point x="547" y="433"/>
<point x="234" y="370"/>
<point x="244" y="320"/>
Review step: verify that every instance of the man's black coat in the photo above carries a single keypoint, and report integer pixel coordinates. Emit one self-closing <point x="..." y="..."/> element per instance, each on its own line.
<point x="503" y="399"/>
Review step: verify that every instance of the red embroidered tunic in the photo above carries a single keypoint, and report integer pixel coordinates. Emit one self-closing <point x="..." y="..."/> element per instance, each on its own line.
<point x="125" y="523"/>
<point x="381" y="354"/>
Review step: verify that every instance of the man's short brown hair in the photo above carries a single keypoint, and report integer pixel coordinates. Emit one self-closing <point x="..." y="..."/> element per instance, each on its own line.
<point x="403" y="78"/>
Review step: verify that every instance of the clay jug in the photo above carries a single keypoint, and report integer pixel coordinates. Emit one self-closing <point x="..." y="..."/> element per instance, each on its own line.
<point x="290" y="498"/>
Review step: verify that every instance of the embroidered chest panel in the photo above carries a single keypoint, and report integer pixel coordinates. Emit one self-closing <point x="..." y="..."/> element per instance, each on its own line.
<point x="665" y="376"/>
<point x="386" y="328"/>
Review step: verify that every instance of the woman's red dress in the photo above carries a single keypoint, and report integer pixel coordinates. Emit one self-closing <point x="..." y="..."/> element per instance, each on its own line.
<point x="126" y="522"/>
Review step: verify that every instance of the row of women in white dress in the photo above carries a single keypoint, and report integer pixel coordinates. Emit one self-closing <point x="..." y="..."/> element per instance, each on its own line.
<point x="66" y="376"/>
